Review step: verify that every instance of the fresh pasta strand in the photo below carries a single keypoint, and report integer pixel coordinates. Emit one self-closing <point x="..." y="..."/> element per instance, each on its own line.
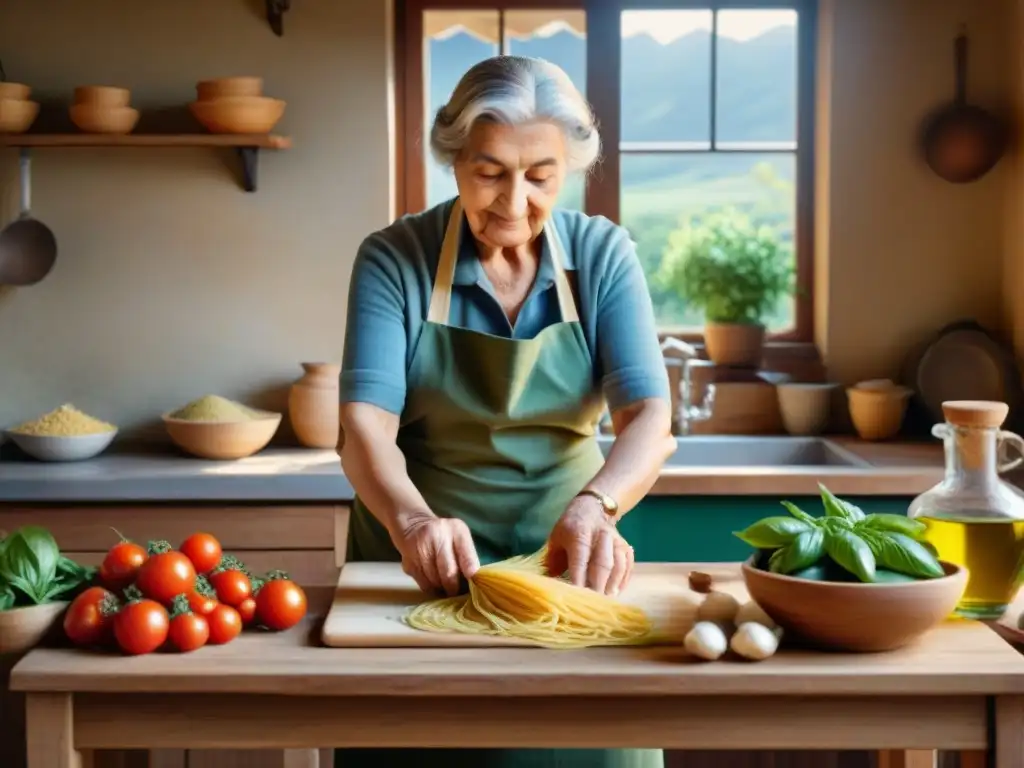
<point x="516" y="598"/>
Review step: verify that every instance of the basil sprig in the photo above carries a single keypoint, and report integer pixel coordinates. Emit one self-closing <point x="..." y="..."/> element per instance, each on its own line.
<point x="33" y="571"/>
<point x="858" y="543"/>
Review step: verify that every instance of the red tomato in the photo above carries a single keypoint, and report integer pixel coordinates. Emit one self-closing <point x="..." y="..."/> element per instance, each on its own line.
<point x="280" y="604"/>
<point x="232" y="586"/>
<point x="165" y="575"/>
<point x="141" y="626"/>
<point x="121" y="565"/>
<point x="90" y="617"/>
<point x="188" y="632"/>
<point x="201" y="604"/>
<point x="247" y="610"/>
<point x="225" y="624"/>
<point x="203" y="550"/>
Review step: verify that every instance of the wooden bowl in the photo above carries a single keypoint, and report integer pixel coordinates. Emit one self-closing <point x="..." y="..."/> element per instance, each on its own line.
<point x="24" y="628"/>
<point x="238" y="114"/>
<point x="102" y="95"/>
<point x="92" y="118"/>
<point x="16" y="91"/>
<point x="853" y="616"/>
<point x="17" y="115"/>
<point x="221" y="87"/>
<point x="223" y="440"/>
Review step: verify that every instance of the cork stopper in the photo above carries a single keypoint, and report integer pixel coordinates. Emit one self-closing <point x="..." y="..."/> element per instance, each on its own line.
<point x="975" y="413"/>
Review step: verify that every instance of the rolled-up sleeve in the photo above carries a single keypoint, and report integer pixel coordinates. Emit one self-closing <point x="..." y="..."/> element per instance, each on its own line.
<point x="632" y="364"/>
<point x="373" y="367"/>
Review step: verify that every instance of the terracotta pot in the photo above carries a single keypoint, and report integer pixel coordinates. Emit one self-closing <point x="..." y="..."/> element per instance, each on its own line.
<point x="313" y="405"/>
<point x="739" y="344"/>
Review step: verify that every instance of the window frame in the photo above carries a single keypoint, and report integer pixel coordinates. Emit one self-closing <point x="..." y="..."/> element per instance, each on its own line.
<point x="603" y="187"/>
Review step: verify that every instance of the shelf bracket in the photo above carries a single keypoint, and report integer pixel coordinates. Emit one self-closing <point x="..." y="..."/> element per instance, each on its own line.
<point x="250" y="161"/>
<point x="275" y="14"/>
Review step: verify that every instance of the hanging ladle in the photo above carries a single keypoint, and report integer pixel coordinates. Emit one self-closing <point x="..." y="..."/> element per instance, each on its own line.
<point x="28" y="247"/>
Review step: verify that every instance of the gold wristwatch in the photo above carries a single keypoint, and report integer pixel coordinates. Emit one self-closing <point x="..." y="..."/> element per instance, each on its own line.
<point x="608" y="504"/>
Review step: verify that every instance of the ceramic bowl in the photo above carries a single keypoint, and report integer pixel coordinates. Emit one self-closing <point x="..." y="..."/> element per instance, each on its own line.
<point x="853" y="616"/>
<point x="220" y="87"/>
<point x="102" y="96"/>
<point x="72" y="448"/>
<point x="877" y="412"/>
<point x="95" y="118"/>
<point x="805" y="407"/>
<point x="17" y="115"/>
<point x="238" y="114"/>
<point x="223" y="440"/>
<point x="24" y="628"/>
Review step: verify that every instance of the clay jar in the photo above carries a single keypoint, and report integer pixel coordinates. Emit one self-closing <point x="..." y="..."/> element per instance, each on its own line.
<point x="313" y="405"/>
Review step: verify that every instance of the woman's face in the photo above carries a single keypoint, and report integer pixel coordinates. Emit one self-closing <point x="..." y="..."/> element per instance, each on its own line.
<point x="509" y="178"/>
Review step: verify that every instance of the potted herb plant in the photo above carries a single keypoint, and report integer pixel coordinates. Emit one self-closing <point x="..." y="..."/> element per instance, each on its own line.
<point x="736" y="272"/>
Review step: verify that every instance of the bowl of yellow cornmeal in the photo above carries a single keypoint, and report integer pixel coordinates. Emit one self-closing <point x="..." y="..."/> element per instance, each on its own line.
<point x="63" y="434"/>
<point x="214" y="427"/>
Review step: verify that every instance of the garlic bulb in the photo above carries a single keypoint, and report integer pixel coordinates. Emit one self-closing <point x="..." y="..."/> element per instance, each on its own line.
<point x="753" y="612"/>
<point x="706" y="641"/>
<point x="754" y="641"/>
<point x="719" y="607"/>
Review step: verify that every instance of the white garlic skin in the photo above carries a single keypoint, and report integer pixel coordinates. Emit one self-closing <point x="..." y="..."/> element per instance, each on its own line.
<point x="719" y="607"/>
<point x="751" y="611"/>
<point x="754" y="641"/>
<point x="706" y="641"/>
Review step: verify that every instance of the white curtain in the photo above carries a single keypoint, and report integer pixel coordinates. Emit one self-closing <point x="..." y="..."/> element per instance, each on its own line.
<point x="485" y="26"/>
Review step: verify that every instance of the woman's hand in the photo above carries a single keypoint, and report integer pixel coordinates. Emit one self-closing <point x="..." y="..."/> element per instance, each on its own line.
<point x="586" y="543"/>
<point x="435" y="550"/>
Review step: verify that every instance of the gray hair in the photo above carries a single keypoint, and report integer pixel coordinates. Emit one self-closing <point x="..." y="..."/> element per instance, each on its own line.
<point x="512" y="90"/>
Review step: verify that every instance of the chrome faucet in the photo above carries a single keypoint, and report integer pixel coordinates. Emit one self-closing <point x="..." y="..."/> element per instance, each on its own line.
<point x="689" y="412"/>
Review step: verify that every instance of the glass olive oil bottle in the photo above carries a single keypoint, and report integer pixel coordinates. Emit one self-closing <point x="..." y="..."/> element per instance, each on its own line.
<point x="974" y="519"/>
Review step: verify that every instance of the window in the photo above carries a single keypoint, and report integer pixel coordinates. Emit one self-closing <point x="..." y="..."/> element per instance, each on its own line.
<point x="704" y="107"/>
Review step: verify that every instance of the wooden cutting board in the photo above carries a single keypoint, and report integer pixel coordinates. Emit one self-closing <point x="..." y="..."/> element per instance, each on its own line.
<point x="372" y="598"/>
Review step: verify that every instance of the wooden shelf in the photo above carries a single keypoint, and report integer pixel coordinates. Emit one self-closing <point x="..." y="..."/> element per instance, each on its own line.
<point x="246" y="145"/>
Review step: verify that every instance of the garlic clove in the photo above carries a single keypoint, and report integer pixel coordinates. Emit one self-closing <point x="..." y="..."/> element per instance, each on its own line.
<point x="754" y="641"/>
<point x="706" y="641"/>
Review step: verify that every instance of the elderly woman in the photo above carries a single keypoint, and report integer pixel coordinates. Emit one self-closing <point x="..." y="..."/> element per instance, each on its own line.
<point x="484" y="337"/>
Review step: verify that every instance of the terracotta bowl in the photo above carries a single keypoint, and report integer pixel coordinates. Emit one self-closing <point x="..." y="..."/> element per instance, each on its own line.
<point x="17" y="116"/>
<point x="238" y="114"/>
<point x="223" y="440"/>
<point x="102" y="95"/>
<point x="92" y="118"/>
<point x="15" y="91"/>
<point x="219" y="87"/>
<point x="852" y="616"/>
<point x="24" y="628"/>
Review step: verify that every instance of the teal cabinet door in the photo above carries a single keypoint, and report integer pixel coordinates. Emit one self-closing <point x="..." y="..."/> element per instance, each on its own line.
<point x="698" y="529"/>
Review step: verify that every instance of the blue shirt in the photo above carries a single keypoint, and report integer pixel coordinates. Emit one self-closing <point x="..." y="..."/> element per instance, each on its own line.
<point x="393" y="276"/>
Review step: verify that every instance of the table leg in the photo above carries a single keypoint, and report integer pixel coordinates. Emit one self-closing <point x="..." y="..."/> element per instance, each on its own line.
<point x="907" y="758"/>
<point x="49" y="731"/>
<point x="1009" y="732"/>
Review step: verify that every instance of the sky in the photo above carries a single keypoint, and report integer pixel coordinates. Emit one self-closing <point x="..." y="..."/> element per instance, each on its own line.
<point x="664" y="26"/>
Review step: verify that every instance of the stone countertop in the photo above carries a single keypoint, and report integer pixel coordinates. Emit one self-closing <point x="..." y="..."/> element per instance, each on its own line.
<point x="154" y="475"/>
<point x="302" y="475"/>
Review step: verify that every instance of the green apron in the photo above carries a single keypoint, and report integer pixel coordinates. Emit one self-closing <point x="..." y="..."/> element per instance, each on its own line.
<point x="500" y="433"/>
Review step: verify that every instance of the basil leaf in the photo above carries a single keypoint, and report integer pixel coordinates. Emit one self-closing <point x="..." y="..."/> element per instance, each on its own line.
<point x="900" y="553"/>
<point x="851" y="552"/>
<point x="29" y="562"/>
<point x="805" y="551"/>
<point x="893" y="523"/>
<point x="836" y="507"/>
<point x="6" y="597"/>
<point x="772" y="532"/>
<point x="798" y="513"/>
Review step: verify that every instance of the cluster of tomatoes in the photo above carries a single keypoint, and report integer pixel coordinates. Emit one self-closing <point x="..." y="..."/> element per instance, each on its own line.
<point x="185" y="598"/>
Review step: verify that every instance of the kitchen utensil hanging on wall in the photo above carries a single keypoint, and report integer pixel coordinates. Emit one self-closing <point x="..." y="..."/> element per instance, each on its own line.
<point x="961" y="141"/>
<point x="28" y="247"/>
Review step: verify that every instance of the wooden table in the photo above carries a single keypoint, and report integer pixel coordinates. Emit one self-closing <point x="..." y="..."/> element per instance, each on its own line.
<point x="961" y="688"/>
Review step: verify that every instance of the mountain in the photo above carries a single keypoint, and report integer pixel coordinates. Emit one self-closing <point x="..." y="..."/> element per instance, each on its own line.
<point x="665" y="87"/>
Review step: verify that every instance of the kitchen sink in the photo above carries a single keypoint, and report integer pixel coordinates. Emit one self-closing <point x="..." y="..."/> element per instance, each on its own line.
<point x="743" y="451"/>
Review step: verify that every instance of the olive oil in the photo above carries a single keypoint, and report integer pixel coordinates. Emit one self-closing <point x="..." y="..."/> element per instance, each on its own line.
<point x="992" y="552"/>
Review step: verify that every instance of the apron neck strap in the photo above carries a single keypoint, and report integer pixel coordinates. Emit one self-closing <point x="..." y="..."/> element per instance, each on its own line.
<point x="441" y="295"/>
